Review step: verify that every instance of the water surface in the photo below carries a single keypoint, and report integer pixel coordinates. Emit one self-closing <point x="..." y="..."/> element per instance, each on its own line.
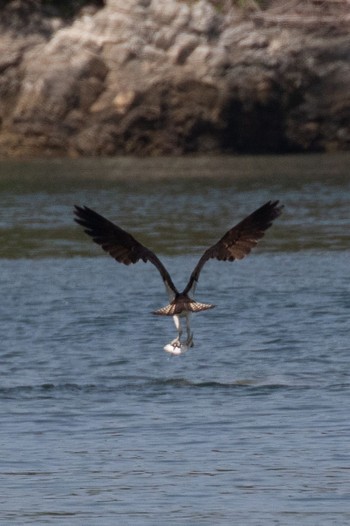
<point x="97" y="424"/>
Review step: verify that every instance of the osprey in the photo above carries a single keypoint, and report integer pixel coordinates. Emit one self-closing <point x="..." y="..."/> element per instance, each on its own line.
<point x="124" y="248"/>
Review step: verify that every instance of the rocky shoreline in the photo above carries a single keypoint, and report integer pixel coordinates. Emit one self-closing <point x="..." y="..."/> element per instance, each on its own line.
<point x="168" y="77"/>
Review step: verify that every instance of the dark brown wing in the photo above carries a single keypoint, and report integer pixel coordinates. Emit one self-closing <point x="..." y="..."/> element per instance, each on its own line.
<point x="238" y="242"/>
<point x="121" y="245"/>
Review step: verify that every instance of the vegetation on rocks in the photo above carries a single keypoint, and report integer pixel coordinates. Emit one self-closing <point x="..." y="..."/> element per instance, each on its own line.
<point x="64" y="8"/>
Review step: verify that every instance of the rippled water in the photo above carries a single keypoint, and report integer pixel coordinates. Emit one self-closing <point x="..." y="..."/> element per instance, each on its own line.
<point x="97" y="424"/>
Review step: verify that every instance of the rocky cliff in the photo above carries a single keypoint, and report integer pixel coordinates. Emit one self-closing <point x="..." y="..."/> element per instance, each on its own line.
<point x="169" y="77"/>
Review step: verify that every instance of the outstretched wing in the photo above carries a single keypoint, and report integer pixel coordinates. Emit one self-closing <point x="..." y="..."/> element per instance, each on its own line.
<point x="238" y="242"/>
<point x="121" y="245"/>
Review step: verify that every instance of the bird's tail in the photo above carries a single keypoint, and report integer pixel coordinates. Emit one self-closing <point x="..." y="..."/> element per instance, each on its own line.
<point x="189" y="306"/>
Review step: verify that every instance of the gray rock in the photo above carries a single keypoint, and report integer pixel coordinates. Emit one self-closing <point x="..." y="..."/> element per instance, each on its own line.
<point x="168" y="77"/>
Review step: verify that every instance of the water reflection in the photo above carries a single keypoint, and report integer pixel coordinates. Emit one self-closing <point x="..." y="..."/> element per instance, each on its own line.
<point x="176" y="205"/>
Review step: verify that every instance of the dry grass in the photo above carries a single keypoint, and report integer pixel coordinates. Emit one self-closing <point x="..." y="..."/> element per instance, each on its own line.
<point x="307" y="12"/>
<point x="327" y="9"/>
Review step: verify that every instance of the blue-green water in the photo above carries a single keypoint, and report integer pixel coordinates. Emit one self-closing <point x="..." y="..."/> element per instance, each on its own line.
<point x="98" y="425"/>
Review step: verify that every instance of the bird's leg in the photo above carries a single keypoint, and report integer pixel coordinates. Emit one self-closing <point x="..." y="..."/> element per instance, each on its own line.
<point x="189" y="341"/>
<point x="177" y="322"/>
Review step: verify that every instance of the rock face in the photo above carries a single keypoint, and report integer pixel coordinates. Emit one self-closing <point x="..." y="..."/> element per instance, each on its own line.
<point x="169" y="77"/>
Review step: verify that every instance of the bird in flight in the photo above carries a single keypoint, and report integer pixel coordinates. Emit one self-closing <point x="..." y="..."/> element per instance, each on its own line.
<point x="124" y="248"/>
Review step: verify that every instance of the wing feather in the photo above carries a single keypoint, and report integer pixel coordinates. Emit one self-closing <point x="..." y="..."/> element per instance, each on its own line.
<point x="121" y="245"/>
<point x="239" y="240"/>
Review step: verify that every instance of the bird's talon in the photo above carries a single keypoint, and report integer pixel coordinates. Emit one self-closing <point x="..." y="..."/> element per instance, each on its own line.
<point x="189" y="341"/>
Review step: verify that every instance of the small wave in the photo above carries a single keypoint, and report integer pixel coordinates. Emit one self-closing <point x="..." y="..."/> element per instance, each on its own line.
<point x="125" y="384"/>
<point x="42" y="390"/>
<point x="234" y="384"/>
